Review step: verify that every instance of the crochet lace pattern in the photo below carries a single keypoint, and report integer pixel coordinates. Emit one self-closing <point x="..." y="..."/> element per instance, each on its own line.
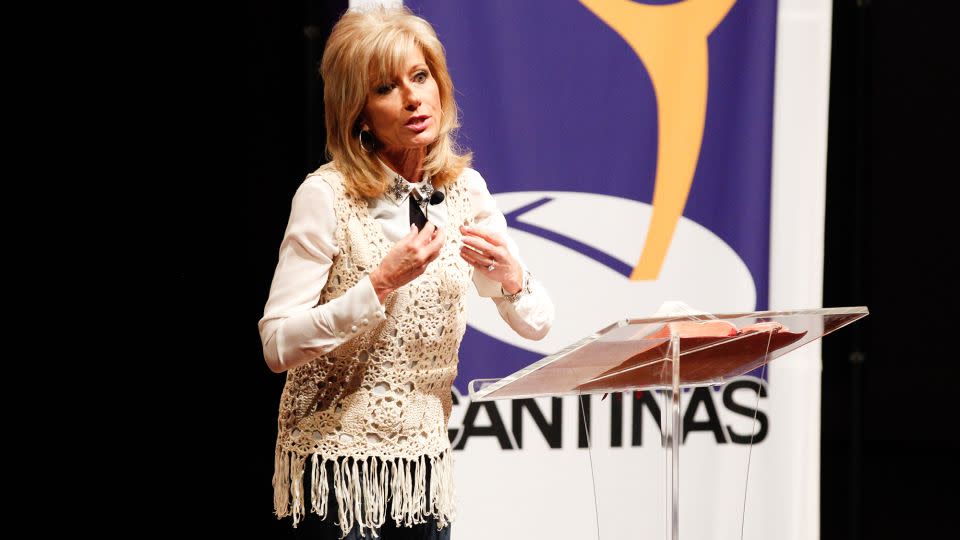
<point x="385" y="392"/>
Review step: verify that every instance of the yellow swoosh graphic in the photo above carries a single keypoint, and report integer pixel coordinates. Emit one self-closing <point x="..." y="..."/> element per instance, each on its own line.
<point x="671" y="41"/>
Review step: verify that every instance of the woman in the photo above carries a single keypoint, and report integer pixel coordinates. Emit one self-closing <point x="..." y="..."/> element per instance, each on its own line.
<point x="366" y="310"/>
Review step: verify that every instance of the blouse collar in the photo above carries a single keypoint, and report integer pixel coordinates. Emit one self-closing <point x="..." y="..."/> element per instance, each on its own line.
<point x="400" y="188"/>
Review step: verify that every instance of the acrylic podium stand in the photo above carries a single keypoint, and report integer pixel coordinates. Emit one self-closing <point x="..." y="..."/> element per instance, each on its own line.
<point x="668" y="354"/>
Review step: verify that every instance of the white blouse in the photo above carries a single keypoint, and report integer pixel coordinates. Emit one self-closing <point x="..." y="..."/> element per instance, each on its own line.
<point x="294" y="330"/>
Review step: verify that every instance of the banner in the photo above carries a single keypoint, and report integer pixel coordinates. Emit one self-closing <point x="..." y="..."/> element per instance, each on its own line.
<point x="630" y="146"/>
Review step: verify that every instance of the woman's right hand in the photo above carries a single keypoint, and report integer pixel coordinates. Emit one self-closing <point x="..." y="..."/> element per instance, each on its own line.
<point x="407" y="259"/>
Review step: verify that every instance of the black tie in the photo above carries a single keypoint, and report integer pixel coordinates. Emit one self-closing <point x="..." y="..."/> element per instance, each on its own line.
<point x="416" y="214"/>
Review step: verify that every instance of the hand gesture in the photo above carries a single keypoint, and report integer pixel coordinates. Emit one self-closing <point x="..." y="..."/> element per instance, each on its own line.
<point x="407" y="259"/>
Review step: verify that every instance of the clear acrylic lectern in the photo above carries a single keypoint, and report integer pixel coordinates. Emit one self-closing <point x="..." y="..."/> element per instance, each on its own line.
<point x="668" y="354"/>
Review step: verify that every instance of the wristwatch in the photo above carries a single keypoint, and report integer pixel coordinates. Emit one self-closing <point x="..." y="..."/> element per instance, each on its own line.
<point x="524" y="289"/>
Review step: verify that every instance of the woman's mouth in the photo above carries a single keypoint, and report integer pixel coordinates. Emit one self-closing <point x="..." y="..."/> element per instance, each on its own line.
<point x="418" y="123"/>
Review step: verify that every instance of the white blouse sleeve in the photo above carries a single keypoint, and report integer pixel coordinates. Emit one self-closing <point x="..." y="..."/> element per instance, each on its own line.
<point x="294" y="329"/>
<point x="531" y="315"/>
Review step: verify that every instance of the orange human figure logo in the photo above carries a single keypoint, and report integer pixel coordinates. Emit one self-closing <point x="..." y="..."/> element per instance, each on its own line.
<point x="671" y="41"/>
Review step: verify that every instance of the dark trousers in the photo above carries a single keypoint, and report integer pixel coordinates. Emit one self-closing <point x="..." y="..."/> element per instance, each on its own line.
<point x="312" y="527"/>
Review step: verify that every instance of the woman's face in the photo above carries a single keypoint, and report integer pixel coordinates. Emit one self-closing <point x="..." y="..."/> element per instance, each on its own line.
<point x="405" y="113"/>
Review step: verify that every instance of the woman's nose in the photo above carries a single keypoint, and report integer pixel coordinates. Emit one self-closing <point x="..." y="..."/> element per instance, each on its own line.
<point x="411" y="99"/>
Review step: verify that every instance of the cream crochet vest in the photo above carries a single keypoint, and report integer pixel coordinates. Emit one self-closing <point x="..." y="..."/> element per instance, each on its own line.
<point x="385" y="393"/>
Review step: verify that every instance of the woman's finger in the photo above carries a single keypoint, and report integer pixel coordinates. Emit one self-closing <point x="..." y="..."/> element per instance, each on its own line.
<point x="471" y="260"/>
<point x="438" y="238"/>
<point x="477" y="260"/>
<point x="479" y="244"/>
<point x="483" y="233"/>
<point x="470" y="254"/>
<point x="427" y="233"/>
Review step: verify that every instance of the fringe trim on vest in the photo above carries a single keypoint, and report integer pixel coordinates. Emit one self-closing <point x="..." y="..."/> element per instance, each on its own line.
<point x="362" y="489"/>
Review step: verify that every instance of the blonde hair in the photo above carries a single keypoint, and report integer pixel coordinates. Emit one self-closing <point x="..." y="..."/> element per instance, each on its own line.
<point x="370" y="46"/>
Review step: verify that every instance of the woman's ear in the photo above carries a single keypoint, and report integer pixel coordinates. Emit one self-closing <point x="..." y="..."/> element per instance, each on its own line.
<point x="359" y="126"/>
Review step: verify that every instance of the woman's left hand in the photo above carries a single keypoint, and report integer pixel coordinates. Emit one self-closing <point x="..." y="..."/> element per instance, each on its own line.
<point x="494" y="259"/>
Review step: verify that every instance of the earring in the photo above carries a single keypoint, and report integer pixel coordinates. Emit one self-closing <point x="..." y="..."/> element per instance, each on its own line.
<point x="372" y="142"/>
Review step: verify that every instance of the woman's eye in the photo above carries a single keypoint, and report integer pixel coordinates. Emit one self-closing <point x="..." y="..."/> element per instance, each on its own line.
<point x="384" y="89"/>
<point x="420" y="76"/>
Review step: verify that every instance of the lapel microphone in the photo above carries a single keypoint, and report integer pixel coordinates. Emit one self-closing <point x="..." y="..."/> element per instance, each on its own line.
<point x="435" y="198"/>
<point x="420" y="214"/>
